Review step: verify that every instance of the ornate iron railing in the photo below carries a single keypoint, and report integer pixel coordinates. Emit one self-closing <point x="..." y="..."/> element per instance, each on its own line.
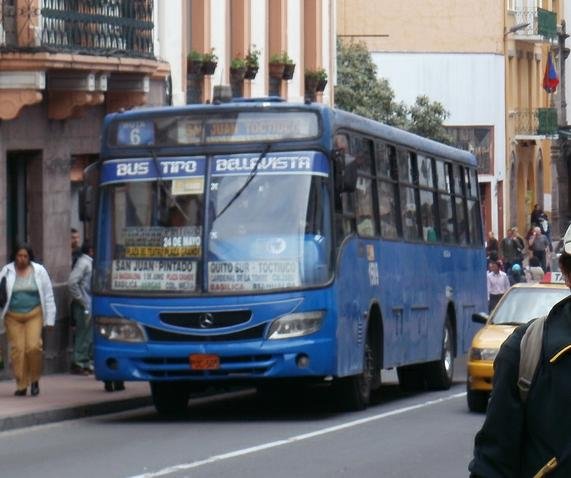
<point x="538" y="122"/>
<point x="92" y="27"/>
<point x="540" y="22"/>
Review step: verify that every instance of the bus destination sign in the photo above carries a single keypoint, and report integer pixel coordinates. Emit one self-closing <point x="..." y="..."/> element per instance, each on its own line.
<point x="216" y="128"/>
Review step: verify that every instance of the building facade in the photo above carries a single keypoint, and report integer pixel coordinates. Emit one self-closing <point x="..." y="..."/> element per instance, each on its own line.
<point x="63" y="66"/>
<point x="303" y="31"/>
<point x="464" y="55"/>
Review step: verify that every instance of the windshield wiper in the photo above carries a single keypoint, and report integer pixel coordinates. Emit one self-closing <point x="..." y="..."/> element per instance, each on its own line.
<point x="248" y="181"/>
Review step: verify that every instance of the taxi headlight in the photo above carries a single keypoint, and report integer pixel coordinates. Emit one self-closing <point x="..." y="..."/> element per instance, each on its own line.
<point x="295" y="325"/>
<point x="119" y="329"/>
<point x="483" y="354"/>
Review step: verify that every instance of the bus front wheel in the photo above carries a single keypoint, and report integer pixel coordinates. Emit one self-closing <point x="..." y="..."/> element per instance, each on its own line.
<point x="439" y="374"/>
<point x="354" y="393"/>
<point x="170" y="398"/>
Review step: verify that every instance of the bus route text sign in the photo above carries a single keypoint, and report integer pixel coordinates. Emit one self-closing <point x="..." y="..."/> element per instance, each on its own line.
<point x="155" y="275"/>
<point x="226" y="276"/>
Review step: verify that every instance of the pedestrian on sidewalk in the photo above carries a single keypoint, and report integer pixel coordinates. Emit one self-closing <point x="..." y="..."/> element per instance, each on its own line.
<point x="80" y="290"/>
<point x="30" y="306"/>
<point x="79" y="285"/>
<point x="498" y="284"/>
<point x="539" y="245"/>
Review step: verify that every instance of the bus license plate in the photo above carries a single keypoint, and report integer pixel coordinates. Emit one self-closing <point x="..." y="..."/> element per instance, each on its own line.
<point x="204" y="362"/>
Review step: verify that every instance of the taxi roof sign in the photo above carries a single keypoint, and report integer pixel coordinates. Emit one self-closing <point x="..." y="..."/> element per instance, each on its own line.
<point x="553" y="278"/>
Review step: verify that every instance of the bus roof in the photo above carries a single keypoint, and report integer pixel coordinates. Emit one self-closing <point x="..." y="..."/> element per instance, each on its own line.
<point x="335" y="119"/>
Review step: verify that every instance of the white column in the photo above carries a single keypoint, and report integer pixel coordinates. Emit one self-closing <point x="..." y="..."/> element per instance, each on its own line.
<point x="168" y="44"/>
<point x="259" y="37"/>
<point x="295" y="48"/>
<point x="220" y="39"/>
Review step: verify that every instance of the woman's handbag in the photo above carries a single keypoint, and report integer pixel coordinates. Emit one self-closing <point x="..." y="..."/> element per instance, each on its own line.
<point x="3" y="293"/>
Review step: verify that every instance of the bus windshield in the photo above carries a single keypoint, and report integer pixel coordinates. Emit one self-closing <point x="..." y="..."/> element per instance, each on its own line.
<point x="258" y="223"/>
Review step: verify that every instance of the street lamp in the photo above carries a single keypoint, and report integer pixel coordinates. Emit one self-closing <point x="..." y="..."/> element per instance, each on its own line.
<point x="516" y="28"/>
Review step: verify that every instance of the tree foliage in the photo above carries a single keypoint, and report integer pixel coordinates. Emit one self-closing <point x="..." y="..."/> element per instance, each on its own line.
<point x="360" y="91"/>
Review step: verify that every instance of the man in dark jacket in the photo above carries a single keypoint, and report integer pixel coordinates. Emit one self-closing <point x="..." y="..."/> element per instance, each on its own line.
<point x="519" y="439"/>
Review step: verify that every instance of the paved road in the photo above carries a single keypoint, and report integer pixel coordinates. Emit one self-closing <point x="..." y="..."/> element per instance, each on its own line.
<point x="401" y="435"/>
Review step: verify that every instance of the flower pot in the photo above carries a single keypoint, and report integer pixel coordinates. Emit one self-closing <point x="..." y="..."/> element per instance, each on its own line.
<point x="237" y="74"/>
<point x="251" y="72"/>
<point x="289" y="70"/>
<point x="310" y="87"/>
<point x="209" y="67"/>
<point x="194" y="67"/>
<point x="321" y="84"/>
<point x="276" y="70"/>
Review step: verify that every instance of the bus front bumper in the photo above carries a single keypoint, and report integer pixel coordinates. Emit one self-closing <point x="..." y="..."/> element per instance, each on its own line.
<point x="241" y="361"/>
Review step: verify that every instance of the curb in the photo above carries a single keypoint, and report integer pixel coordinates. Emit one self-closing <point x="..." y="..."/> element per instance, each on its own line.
<point x="71" y="413"/>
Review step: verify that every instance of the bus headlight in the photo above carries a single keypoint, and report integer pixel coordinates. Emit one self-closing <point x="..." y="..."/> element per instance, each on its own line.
<point x="295" y="325"/>
<point x="119" y="330"/>
<point x="483" y="354"/>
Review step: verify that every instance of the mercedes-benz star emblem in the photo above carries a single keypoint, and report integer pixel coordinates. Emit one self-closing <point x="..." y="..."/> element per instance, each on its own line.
<point x="206" y="321"/>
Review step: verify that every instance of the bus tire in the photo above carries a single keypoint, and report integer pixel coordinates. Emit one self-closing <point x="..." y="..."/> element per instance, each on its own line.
<point x="354" y="393"/>
<point x="440" y="374"/>
<point x="170" y="398"/>
<point x="411" y="378"/>
<point x="477" y="400"/>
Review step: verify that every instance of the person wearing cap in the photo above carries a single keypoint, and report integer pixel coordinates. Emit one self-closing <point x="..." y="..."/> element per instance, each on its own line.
<point x="532" y="438"/>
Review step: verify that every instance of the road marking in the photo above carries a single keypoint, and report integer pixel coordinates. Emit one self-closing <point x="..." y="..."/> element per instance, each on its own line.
<point x="305" y="436"/>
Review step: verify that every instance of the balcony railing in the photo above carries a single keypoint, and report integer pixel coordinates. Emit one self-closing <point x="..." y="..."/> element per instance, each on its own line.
<point x="540" y="22"/>
<point x="91" y="27"/>
<point x="538" y="122"/>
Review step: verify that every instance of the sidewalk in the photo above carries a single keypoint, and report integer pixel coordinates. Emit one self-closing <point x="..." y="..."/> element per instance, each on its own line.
<point x="64" y="397"/>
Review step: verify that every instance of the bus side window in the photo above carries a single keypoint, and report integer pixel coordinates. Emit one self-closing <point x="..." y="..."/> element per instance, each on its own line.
<point x="387" y="190"/>
<point x="408" y="197"/>
<point x="471" y="182"/>
<point x="365" y="216"/>
<point x="445" y="202"/>
<point x="428" y="215"/>
<point x="345" y="217"/>
<point x="459" y="193"/>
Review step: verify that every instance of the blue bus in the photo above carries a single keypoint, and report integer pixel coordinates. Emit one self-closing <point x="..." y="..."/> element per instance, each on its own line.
<point x="260" y="242"/>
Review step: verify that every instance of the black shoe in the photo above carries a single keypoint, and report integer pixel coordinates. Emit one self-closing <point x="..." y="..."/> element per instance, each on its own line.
<point x="21" y="393"/>
<point x="118" y="386"/>
<point x="35" y="389"/>
<point x="108" y="386"/>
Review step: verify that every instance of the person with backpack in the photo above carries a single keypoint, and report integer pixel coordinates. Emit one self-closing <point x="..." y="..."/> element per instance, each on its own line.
<point x="527" y="431"/>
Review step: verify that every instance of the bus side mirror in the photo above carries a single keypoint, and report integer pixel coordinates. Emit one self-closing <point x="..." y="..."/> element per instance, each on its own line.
<point x="88" y="193"/>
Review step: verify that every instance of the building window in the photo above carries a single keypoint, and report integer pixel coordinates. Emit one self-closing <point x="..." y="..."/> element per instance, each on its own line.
<point x="478" y="140"/>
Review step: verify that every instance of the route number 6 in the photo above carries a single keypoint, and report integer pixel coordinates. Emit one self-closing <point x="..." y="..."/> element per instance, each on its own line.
<point x="135" y="136"/>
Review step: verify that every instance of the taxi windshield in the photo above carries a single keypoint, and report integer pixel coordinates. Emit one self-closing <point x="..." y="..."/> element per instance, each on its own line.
<point x="520" y="305"/>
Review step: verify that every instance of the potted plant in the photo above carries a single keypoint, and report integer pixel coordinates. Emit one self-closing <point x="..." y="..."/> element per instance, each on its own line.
<point x="194" y="62"/>
<point x="252" y="63"/>
<point x="276" y="66"/>
<point x="209" y="62"/>
<point x="322" y="81"/>
<point x="289" y="68"/>
<point x="237" y="68"/>
<point x="311" y="79"/>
